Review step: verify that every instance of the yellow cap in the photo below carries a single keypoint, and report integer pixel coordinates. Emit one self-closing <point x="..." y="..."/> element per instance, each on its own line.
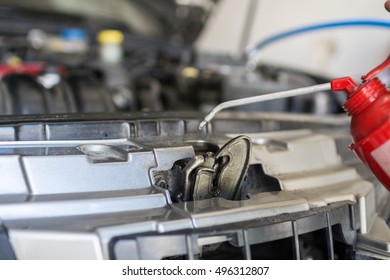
<point x="110" y="37"/>
<point x="190" y="72"/>
<point x="14" y="61"/>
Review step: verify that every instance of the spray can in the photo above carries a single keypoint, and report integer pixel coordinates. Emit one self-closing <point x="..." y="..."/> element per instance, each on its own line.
<point x="368" y="105"/>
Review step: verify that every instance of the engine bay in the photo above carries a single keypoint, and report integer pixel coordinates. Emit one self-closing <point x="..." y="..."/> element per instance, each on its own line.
<point x="101" y="156"/>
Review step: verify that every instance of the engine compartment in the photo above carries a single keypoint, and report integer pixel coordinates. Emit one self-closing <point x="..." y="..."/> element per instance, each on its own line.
<point x="103" y="160"/>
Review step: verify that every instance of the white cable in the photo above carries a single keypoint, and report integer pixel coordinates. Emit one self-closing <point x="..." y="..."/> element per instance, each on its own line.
<point x="262" y="98"/>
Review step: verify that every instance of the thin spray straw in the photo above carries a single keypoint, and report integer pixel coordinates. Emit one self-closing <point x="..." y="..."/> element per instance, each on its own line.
<point x="262" y="98"/>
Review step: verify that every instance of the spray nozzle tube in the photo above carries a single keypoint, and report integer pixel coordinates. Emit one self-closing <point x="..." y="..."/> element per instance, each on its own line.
<point x="262" y="98"/>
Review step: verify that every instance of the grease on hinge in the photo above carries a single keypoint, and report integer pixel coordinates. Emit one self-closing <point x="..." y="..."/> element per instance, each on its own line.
<point x="209" y="175"/>
<point x="221" y="175"/>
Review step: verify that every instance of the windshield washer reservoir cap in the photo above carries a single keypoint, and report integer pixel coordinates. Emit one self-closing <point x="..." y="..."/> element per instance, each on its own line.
<point x="110" y="37"/>
<point x="73" y="34"/>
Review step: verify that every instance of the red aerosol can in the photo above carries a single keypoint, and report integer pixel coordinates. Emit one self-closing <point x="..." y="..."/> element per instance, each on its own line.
<point x="368" y="105"/>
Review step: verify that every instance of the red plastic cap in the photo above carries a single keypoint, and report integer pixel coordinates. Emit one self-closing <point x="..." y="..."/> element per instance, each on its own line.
<point x="344" y="84"/>
<point x="362" y="97"/>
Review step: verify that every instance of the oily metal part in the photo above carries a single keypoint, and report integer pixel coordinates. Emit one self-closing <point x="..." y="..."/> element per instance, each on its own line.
<point x="231" y="164"/>
<point x="230" y="177"/>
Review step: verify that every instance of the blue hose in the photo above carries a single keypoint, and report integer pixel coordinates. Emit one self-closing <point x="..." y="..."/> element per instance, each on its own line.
<point x="292" y="32"/>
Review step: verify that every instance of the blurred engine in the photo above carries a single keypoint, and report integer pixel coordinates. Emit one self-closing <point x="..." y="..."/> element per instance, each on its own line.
<point x="67" y="63"/>
<point x="101" y="156"/>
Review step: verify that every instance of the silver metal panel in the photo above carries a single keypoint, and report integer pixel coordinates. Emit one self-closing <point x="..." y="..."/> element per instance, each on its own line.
<point x="158" y="247"/>
<point x="347" y="191"/>
<point x="377" y="240"/>
<point x="315" y="152"/>
<point x="118" y="223"/>
<point x="81" y="206"/>
<point x="40" y="245"/>
<point x="126" y="250"/>
<point x="7" y="133"/>
<point x="219" y="211"/>
<point x="171" y="221"/>
<point x="166" y="157"/>
<point x="72" y="174"/>
<point x="12" y="177"/>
